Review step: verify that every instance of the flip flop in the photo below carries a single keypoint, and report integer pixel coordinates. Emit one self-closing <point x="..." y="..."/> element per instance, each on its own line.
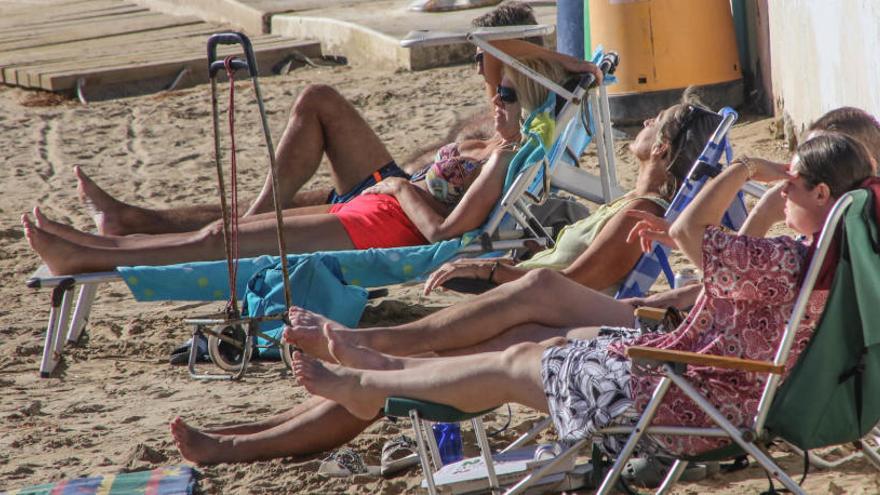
<point x="649" y="472"/>
<point x="180" y="354"/>
<point x="398" y="454"/>
<point x="344" y="463"/>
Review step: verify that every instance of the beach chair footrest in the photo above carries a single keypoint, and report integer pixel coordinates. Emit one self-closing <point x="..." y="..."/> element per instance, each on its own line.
<point x="431" y="411"/>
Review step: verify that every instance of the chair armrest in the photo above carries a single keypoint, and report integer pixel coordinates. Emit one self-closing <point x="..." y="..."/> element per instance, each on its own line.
<point x="641" y="353"/>
<point x="650" y="313"/>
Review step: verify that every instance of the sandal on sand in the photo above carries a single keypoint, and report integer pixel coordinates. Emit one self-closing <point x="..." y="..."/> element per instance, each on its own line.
<point x="343" y="463"/>
<point x="649" y="472"/>
<point x="180" y="354"/>
<point x="398" y="454"/>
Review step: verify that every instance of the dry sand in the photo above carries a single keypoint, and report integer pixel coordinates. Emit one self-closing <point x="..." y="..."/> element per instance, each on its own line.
<point x="107" y="408"/>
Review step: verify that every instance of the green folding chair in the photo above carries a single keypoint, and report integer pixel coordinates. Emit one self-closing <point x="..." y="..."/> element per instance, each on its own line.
<point x="822" y="403"/>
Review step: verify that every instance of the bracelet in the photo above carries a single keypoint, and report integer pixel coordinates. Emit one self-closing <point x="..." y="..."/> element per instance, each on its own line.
<point x="492" y="272"/>
<point x="751" y="166"/>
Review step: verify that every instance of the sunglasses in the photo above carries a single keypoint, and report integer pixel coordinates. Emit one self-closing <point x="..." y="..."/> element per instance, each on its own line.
<point x="478" y="59"/>
<point x="506" y="94"/>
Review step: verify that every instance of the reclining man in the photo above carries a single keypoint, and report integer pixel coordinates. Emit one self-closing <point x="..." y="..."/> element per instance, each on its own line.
<point x="322" y="122"/>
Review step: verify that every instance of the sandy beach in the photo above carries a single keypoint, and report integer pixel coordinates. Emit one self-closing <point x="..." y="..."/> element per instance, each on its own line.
<point x="107" y="407"/>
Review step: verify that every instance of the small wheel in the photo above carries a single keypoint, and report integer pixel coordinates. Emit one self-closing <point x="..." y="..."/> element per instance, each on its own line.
<point x="228" y="355"/>
<point x="286" y="351"/>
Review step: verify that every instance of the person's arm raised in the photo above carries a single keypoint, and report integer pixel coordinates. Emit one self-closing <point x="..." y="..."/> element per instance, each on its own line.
<point x="713" y="200"/>
<point x="769" y="211"/>
<point x="492" y="67"/>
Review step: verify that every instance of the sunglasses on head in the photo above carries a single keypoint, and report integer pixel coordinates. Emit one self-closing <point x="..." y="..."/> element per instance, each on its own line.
<point x="506" y="94"/>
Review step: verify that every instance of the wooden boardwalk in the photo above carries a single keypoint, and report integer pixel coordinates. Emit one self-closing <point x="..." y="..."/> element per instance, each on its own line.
<point x="115" y="47"/>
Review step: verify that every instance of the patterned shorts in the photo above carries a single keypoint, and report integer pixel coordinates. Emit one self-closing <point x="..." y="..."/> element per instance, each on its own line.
<point x="587" y="389"/>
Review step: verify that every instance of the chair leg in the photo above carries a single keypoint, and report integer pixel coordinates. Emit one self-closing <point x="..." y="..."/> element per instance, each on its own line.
<point x="819" y="461"/>
<point x="63" y="320"/>
<point x="871" y="454"/>
<point x="550" y="467"/>
<point x="650" y="409"/>
<point x="423" y="451"/>
<point x="737" y="436"/>
<point x="486" y="451"/>
<point x="672" y="476"/>
<point x="81" y="312"/>
<point x="57" y="318"/>
<point x="532" y="433"/>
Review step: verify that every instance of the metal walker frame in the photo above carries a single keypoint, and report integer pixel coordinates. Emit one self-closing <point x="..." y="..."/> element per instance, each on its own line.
<point x="232" y="328"/>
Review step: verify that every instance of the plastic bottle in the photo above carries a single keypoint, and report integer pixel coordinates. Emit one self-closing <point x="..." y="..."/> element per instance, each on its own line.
<point x="448" y="436"/>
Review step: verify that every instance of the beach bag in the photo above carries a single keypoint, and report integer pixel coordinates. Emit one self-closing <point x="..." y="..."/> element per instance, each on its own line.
<point x="316" y="284"/>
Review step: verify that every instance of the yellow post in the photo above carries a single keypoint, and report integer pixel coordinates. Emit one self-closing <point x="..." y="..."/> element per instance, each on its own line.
<point x="666" y="46"/>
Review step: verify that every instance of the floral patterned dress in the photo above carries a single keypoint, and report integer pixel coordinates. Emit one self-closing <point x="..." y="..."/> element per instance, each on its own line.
<point x="750" y="285"/>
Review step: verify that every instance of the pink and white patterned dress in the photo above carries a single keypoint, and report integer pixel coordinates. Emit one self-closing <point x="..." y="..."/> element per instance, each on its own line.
<point x="750" y="285"/>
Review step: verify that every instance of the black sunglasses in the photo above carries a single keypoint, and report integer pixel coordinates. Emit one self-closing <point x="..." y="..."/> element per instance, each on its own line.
<point x="506" y="93"/>
<point x="478" y="59"/>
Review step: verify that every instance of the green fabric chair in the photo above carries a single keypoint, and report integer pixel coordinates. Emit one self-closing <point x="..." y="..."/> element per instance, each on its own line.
<point x="822" y="403"/>
<point x="825" y="400"/>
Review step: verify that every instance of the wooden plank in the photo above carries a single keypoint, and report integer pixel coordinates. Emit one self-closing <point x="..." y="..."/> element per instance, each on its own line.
<point x="266" y="58"/>
<point x="54" y="15"/>
<point x="663" y="355"/>
<point x="105" y="29"/>
<point x="185" y="48"/>
<point x="128" y="42"/>
<point x="61" y="18"/>
<point x="195" y="53"/>
<point x="29" y="61"/>
<point x="47" y="25"/>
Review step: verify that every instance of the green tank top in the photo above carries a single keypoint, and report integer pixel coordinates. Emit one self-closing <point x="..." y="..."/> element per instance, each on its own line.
<point x="577" y="237"/>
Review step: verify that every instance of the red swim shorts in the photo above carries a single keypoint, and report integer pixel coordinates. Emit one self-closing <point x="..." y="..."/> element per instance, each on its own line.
<point x="377" y="221"/>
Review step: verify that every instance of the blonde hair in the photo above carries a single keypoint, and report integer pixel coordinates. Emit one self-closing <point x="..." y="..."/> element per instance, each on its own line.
<point x="531" y="94"/>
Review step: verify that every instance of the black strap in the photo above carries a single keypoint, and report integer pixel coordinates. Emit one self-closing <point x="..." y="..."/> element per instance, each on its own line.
<point x="738" y="464"/>
<point x="856" y="373"/>
<point x="772" y="490"/>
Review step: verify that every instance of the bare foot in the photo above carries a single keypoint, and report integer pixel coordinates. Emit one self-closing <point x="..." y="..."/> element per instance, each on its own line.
<point x="305" y="332"/>
<point x="60" y="255"/>
<point x="355" y="356"/>
<point x="198" y="447"/>
<point x="105" y="210"/>
<point x="342" y="385"/>
<point x="70" y="233"/>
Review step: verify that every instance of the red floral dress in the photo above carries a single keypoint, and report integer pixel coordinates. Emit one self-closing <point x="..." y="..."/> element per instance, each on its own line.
<point x="750" y="285"/>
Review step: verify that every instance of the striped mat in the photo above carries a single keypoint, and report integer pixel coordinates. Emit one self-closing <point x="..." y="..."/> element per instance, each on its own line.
<point x="172" y="480"/>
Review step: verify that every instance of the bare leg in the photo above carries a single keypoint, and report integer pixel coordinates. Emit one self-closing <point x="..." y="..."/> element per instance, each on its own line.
<point x="529" y="332"/>
<point x="469" y="383"/>
<point x="116" y="218"/>
<point x="325" y="425"/>
<point x="302" y="234"/>
<point x="323" y="121"/>
<point x="541" y="297"/>
<point x="265" y="424"/>
<point x="70" y="233"/>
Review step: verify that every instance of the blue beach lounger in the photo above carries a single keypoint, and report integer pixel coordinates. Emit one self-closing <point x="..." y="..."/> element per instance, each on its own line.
<point x="207" y="281"/>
